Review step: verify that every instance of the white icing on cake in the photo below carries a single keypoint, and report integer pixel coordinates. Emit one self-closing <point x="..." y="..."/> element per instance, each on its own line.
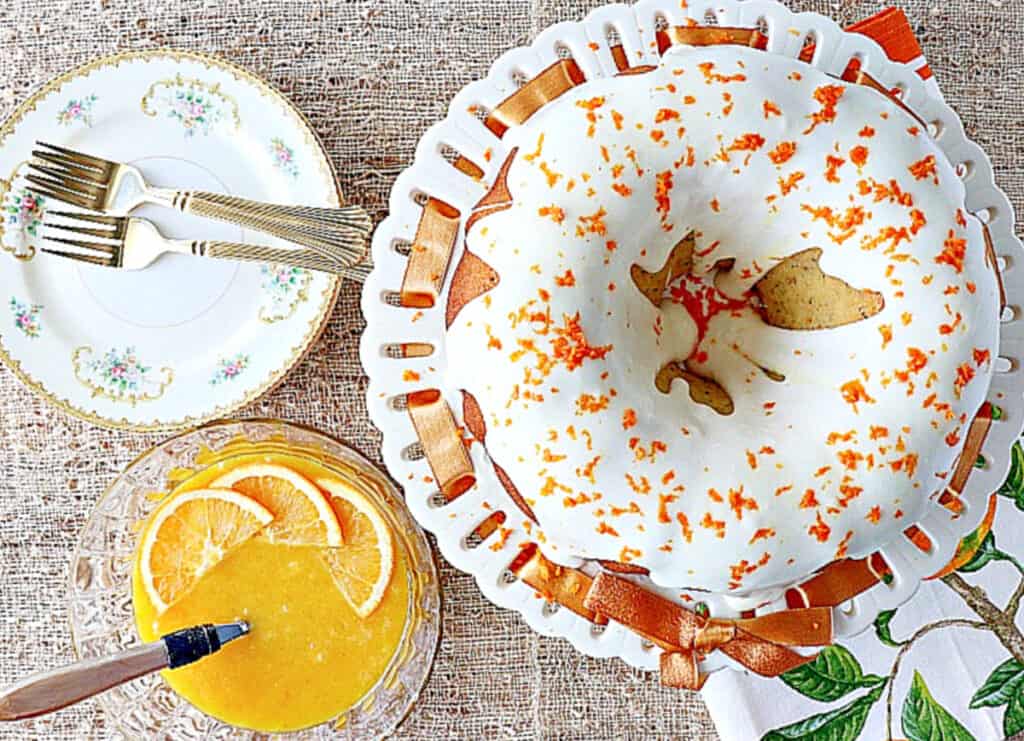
<point x="835" y="460"/>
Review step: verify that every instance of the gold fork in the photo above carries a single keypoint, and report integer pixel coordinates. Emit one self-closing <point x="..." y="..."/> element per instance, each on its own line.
<point x="97" y="184"/>
<point x="133" y="243"/>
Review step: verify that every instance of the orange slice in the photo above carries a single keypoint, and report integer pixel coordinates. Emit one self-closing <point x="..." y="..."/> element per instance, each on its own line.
<point x="189" y="535"/>
<point x="302" y="515"/>
<point x="362" y="567"/>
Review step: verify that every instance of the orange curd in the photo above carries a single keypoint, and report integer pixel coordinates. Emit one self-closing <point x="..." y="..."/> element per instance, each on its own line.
<point x="326" y="621"/>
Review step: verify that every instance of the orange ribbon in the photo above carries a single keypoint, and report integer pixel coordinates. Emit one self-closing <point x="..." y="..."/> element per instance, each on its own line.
<point x="549" y="84"/>
<point x="431" y="250"/>
<point x="761" y="644"/>
<point x="990" y="260"/>
<point x="442" y="444"/>
<point x="568" y="587"/>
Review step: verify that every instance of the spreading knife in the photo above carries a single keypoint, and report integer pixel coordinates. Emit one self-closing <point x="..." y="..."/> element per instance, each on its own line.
<point x="49" y="691"/>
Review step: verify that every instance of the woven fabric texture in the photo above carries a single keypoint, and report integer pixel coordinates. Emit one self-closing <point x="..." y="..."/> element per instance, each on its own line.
<point x="371" y="76"/>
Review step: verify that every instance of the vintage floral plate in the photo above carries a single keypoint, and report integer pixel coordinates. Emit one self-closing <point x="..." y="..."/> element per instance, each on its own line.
<point x="187" y="339"/>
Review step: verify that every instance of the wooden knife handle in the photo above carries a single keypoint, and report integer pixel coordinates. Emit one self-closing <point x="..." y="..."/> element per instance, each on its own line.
<point x="49" y="691"/>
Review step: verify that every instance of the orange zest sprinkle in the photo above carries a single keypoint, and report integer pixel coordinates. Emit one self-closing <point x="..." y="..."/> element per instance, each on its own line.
<point x="964" y="375"/>
<point x="707" y="68"/>
<point x="917" y="221"/>
<point x="787" y="185"/>
<point x="554" y="213"/>
<point x="859" y="155"/>
<point x="782" y="152"/>
<point x="854" y="393"/>
<point x="820" y="530"/>
<point x="662" y="199"/>
<point x="747" y="143"/>
<point x="628" y="419"/>
<point x="711" y="523"/>
<point x="550" y="174"/>
<point x="828" y="96"/>
<point x="530" y="157"/>
<point x="592" y="223"/>
<point x="841" y="549"/>
<point x="886" y="331"/>
<point x="738" y="502"/>
<point x="627" y="554"/>
<point x="591" y="104"/>
<point x="684" y="523"/>
<point x="832" y="165"/>
<point x="566" y="279"/>
<point x="953" y="252"/>
<point x="590" y="404"/>
<point x="663" y="501"/>
<point x="925" y="168"/>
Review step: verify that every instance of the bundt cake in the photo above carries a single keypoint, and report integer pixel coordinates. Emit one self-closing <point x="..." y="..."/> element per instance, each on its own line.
<point x="725" y="320"/>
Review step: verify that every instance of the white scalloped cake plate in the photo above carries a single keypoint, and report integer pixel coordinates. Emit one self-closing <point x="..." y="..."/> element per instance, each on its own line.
<point x="186" y="339"/>
<point x="432" y="175"/>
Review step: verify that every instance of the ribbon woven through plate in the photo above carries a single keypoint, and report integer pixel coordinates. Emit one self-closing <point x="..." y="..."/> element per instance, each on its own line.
<point x="761" y="643"/>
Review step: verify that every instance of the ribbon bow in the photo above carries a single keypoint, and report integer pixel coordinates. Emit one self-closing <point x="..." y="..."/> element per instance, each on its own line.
<point x="761" y="643"/>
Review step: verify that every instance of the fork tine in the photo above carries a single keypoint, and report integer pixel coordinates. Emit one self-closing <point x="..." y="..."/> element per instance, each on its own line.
<point x="94" y="218"/>
<point x="88" y="231"/>
<point x="66" y="196"/>
<point x="79" y="158"/>
<point x="75" y="186"/>
<point x="108" y="249"/>
<point x="64" y="169"/>
<point x="118" y="225"/>
<point x="104" y="261"/>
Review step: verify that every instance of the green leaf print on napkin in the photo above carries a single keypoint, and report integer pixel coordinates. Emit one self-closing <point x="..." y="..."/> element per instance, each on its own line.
<point x="925" y="720"/>
<point x="833" y="674"/>
<point x="986" y="553"/>
<point x="883" y="631"/>
<point x="1013" y="719"/>
<point x="836" y="672"/>
<point x="841" y="724"/>
<point x="1000" y="687"/>
<point x="1004" y="686"/>
<point x="1013" y="487"/>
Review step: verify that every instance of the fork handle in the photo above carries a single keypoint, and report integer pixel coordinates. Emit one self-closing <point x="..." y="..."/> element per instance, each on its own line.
<point x="308" y="259"/>
<point x="340" y="231"/>
<point x="209" y="204"/>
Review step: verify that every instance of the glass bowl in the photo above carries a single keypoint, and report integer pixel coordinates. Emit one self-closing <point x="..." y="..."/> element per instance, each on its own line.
<point x="100" y="589"/>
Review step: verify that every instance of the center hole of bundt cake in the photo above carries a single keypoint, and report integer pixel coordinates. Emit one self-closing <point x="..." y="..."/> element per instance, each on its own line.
<point x="795" y="294"/>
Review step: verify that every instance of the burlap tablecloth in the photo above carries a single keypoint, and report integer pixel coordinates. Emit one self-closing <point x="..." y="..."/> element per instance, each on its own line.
<point x="371" y="76"/>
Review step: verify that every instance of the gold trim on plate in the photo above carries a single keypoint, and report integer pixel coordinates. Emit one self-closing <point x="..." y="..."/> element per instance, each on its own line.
<point x="188" y="82"/>
<point x="82" y="360"/>
<point x="329" y="296"/>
